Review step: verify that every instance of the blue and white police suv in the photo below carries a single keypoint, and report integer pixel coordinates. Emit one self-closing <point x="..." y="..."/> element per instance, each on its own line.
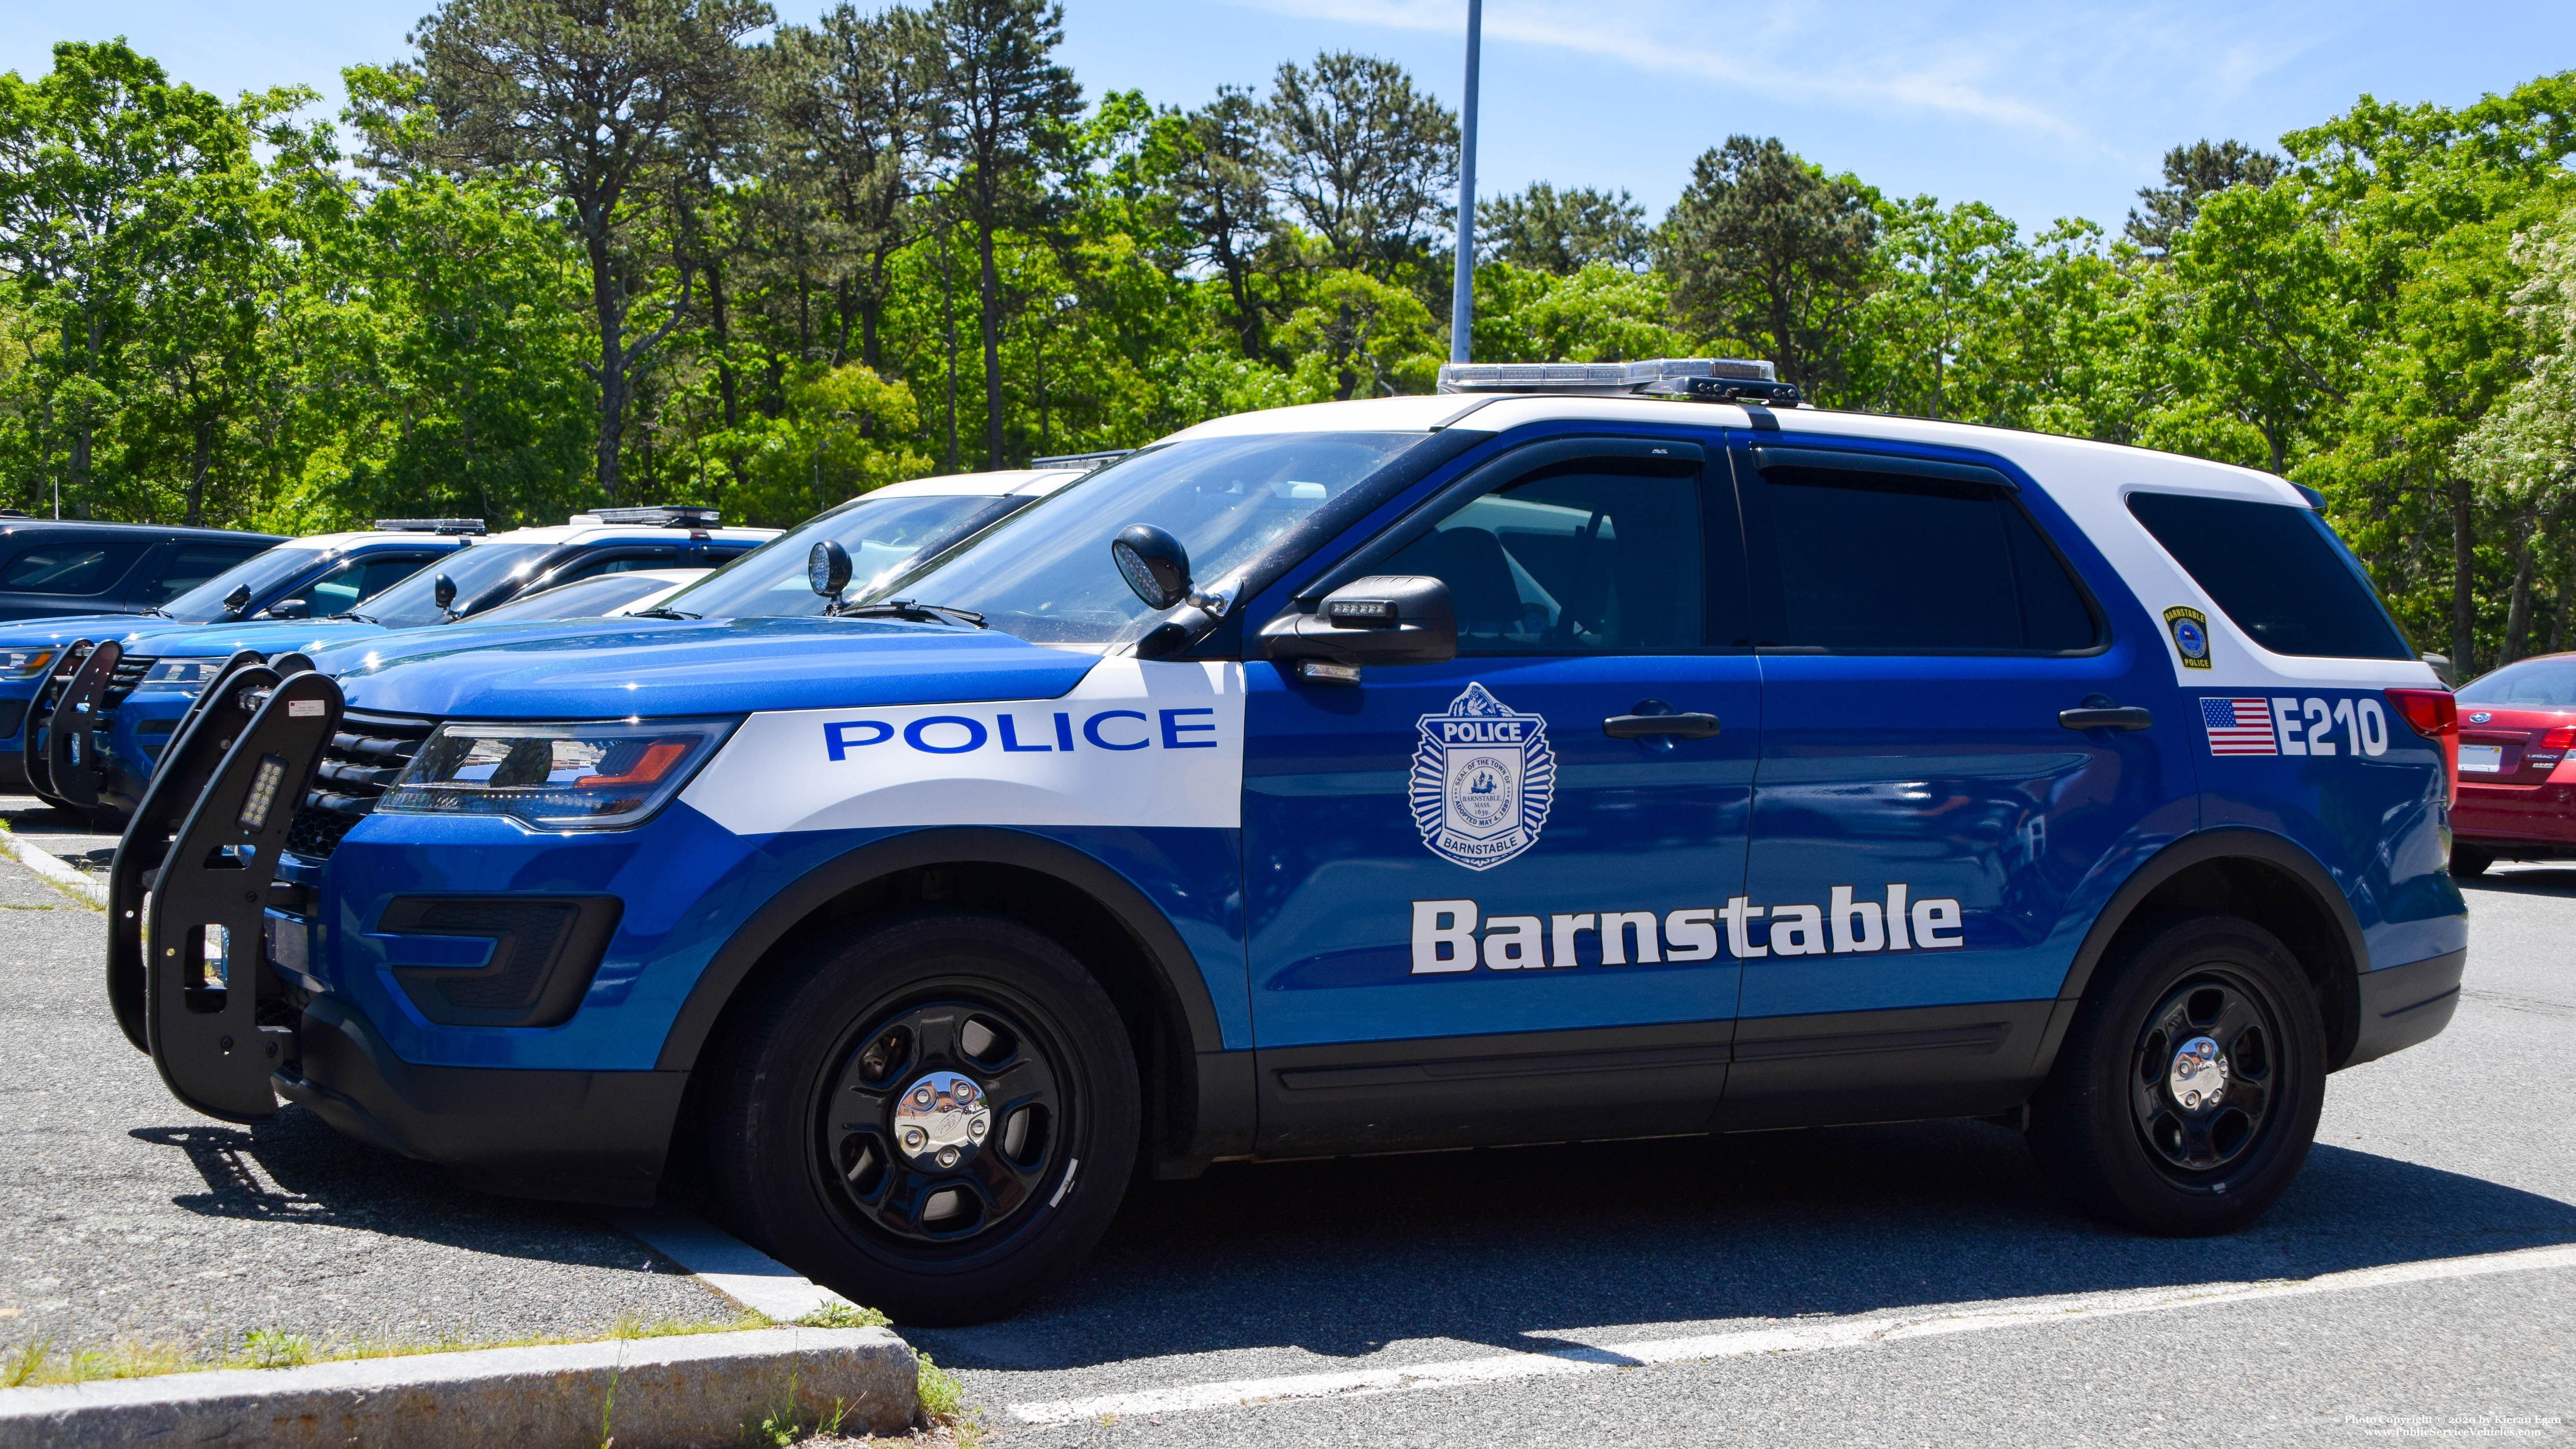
<point x="1594" y="752"/>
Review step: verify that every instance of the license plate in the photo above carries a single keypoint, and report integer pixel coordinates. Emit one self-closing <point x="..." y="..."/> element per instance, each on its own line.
<point x="2481" y="759"/>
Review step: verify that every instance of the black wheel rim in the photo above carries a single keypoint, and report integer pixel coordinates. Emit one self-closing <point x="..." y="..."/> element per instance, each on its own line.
<point x="942" y="1193"/>
<point x="2206" y="1077"/>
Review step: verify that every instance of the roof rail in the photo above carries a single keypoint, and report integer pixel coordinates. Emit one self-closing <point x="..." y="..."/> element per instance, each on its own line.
<point x="1081" y="460"/>
<point x="658" y="515"/>
<point x="432" y="525"/>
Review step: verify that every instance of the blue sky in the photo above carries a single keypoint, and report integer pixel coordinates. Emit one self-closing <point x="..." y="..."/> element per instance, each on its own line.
<point x="2042" y="110"/>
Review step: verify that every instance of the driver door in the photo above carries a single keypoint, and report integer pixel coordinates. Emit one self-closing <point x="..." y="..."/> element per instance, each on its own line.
<point x="1473" y="914"/>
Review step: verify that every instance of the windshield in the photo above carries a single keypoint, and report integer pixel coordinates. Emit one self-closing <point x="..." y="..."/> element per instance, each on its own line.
<point x="882" y="535"/>
<point x="581" y="599"/>
<point x="261" y="572"/>
<point x="478" y="569"/>
<point x="2532" y="684"/>
<point x="1046" y="575"/>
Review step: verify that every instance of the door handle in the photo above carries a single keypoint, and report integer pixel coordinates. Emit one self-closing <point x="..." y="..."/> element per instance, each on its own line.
<point x="2099" y="713"/>
<point x="1644" y="726"/>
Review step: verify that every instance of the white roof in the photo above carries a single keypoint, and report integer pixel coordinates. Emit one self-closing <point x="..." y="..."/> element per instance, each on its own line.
<point x="1007" y="482"/>
<point x="638" y="532"/>
<point x="2054" y="460"/>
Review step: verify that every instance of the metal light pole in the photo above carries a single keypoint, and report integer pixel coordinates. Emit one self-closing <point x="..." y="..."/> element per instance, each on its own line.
<point x="1462" y="288"/>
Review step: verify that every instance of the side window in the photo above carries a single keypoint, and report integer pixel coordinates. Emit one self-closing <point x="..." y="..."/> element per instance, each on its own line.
<point x="617" y="563"/>
<point x="69" y="568"/>
<point x="2277" y="571"/>
<point x="1581" y="560"/>
<point x="353" y="583"/>
<point x="1890" y="562"/>
<point x="192" y="564"/>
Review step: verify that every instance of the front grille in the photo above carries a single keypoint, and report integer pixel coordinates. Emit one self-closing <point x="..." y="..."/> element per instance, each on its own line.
<point x="357" y="767"/>
<point x="129" y="672"/>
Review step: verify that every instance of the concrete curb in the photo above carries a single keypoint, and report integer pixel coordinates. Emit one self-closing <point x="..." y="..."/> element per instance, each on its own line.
<point x="55" y="869"/>
<point x="694" y="1391"/>
<point x="729" y="1265"/>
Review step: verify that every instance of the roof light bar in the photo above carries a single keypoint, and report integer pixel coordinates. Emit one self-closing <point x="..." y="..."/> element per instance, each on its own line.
<point x="659" y="515"/>
<point x="1658" y="374"/>
<point x="432" y="525"/>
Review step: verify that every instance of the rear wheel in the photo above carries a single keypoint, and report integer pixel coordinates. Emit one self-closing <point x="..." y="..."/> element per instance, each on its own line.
<point x="2469" y="860"/>
<point x="937" y="1118"/>
<point x="2186" y="1094"/>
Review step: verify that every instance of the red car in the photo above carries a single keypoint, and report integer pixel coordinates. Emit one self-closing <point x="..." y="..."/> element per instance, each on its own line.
<point x="2517" y="782"/>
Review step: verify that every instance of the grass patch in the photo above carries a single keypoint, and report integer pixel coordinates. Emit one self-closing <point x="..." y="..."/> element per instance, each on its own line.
<point x="40" y="1361"/>
<point x="844" y="1315"/>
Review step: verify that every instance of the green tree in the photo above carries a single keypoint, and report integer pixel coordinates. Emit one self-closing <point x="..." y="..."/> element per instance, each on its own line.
<point x="1563" y="232"/>
<point x="1767" y="253"/>
<point x="2191" y="173"/>
<point x="1006" y="113"/>
<point x="611" y="101"/>
<point x="1364" y="162"/>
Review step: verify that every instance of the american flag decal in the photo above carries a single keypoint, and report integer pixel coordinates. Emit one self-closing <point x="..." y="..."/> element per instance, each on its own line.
<point x="2239" y="726"/>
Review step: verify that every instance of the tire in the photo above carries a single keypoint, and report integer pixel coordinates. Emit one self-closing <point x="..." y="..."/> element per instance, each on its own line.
<point x="967" y="1010"/>
<point x="2469" y="860"/>
<point x="2122" y="1132"/>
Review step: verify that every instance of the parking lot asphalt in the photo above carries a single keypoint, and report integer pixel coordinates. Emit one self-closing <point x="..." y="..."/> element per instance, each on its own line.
<point x="129" y="1222"/>
<point x="1448" y="1266"/>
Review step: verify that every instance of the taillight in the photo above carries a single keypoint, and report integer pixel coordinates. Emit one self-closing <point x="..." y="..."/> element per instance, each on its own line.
<point x="2435" y="715"/>
<point x="2559" y="738"/>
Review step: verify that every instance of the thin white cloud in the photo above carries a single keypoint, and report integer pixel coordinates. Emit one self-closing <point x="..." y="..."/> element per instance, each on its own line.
<point x="2055" y="74"/>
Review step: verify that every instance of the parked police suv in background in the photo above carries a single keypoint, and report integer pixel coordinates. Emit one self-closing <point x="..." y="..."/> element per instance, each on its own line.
<point x="1547" y="759"/>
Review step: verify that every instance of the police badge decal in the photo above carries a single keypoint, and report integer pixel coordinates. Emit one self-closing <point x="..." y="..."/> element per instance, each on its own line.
<point x="1483" y="778"/>
<point x="2190" y="635"/>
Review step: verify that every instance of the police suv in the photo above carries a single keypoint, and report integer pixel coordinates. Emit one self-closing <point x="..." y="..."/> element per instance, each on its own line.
<point x="1596" y="752"/>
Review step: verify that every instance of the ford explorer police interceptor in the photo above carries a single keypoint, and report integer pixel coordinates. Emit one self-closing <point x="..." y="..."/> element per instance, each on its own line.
<point x="1606" y="752"/>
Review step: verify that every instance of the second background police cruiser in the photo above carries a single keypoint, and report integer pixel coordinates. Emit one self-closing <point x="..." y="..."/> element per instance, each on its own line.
<point x="1501" y="766"/>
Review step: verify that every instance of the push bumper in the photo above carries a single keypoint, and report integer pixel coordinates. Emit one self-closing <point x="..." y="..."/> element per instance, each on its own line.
<point x="2404" y="1005"/>
<point x="568" y="1136"/>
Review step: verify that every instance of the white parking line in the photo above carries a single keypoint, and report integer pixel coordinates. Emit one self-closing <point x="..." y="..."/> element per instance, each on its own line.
<point x="1802" y="1338"/>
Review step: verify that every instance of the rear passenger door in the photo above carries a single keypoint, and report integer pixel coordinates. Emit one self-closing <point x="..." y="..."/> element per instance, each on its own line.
<point x="1926" y="832"/>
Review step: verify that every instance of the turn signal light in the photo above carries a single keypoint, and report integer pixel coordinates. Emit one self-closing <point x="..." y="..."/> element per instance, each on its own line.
<point x="2435" y="715"/>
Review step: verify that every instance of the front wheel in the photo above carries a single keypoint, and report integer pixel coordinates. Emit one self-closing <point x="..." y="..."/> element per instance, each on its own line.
<point x="937" y="1118"/>
<point x="2186" y="1094"/>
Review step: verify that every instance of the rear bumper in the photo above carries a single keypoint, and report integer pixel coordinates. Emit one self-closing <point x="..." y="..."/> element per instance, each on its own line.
<point x="569" y="1136"/>
<point x="2510" y="816"/>
<point x="2404" y="1005"/>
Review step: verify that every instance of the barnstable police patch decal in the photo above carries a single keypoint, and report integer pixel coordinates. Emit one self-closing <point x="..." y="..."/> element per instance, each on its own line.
<point x="1483" y="778"/>
<point x="2190" y="635"/>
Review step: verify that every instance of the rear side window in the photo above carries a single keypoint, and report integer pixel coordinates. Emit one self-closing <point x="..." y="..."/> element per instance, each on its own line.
<point x="2278" y="572"/>
<point x="1869" y="562"/>
<point x="192" y="564"/>
<point x="69" y="568"/>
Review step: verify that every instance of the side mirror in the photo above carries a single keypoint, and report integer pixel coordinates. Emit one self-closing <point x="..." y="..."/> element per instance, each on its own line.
<point x="827" y="568"/>
<point x="442" y="591"/>
<point x="1154" y="564"/>
<point x="1381" y="619"/>
<point x="238" y="599"/>
<point x="287" y="609"/>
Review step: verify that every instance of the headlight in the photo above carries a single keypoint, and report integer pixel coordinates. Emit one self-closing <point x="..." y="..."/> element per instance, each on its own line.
<point x="24" y="663"/>
<point x="598" y="776"/>
<point x="189" y="676"/>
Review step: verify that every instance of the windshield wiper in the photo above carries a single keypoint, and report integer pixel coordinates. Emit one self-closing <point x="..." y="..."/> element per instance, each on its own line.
<point x="361" y="618"/>
<point x="907" y="610"/>
<point x="664" y="614"/>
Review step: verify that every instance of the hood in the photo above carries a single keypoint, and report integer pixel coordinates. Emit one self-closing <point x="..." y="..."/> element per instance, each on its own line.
<point x="666" y="668"/>
<point x="63" y="629"/>
<point x="381" y="648"/>
<point x="268" y="636"/>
